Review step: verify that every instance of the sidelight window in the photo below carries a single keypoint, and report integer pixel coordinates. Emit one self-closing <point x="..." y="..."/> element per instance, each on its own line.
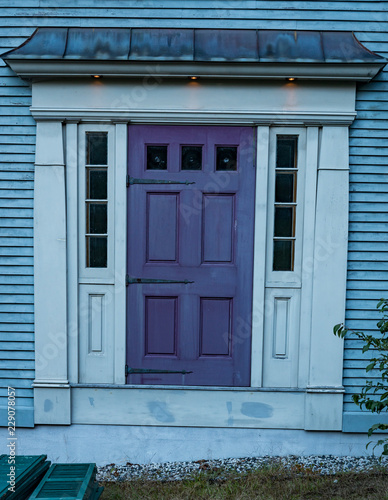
<point x="96" y="171"/>
<point x="286" y="167"/>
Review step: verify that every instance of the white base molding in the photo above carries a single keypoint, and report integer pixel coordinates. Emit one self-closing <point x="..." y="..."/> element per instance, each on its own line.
<point x="323" y="411"/>
<point x="52" y="405"/>
<point x="283" y="408"/>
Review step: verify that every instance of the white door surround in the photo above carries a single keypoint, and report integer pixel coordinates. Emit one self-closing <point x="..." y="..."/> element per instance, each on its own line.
<point x="302" y="390"/>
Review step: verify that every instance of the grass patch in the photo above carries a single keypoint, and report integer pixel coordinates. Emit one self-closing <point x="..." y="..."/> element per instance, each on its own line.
<point x="270" y="483"/>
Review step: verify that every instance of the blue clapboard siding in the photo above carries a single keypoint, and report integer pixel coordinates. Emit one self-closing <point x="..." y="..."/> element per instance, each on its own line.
<point x="368" y="245"/>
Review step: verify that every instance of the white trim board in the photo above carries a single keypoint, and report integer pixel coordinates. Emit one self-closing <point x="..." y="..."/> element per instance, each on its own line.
<point x="188" y="408"/>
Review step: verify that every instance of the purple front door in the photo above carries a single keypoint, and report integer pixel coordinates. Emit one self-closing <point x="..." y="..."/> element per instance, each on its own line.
<point x="190" y="254"/>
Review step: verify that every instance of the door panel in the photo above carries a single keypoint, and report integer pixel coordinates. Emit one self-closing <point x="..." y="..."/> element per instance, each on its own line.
<point x="218" y="228"/>
<point x="162" y="227"/>
<point x="160" y="311"/>
<point x="190" y="221"/>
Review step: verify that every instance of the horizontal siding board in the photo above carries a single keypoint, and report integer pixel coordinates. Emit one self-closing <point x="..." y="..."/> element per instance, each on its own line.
<point x="364" y="314"/>
<point x="367" y="285"/>
<point x="23" y="232"/>
<point x="357" y="361"/>
<point x="367" y="207"/>
<point x="17" y="280"/>
<point x="211" y="4"/>
<point x="15" y="203"/>
<point x="18" y="131"/>
<point x="357" y="354"/>
<point x="377" y="266"/>
<point x="14" y="242"/>
<point x="21" y="402"/>
<point x="17" y="328"/>
<point x="16" y="337"/>
<point x="13" y="318"/>
<point x="368" y="237"/>
<point x="16" y="92"/>
<point x="17" y="158"/>
<point x="370" y="275"/>
<point x="17" y="141"/>
<point x="11" y="100"/>
<point x="16" y="289"/>
<point x="364" y="96"/>
<point x="375" y="295"/>
<point x="17" y="364"/>
<point x="15" y="167"/>
<point x="15" y="308"/>
<point x="19" y="383"/>
<point x="20" y="120"/>
<point x="368" y="256"/>
<point x="17" y="223"/>
<point x="16" y="193"/>
<point x="353" y="343"/>
<point x="372" y="123"/>
<point x="361" y="324"/>
<point x="359" y="5"/>
<point x="16" y="251"/>
<point x="16" y="374"/>
<point x="372" y="227"/>
<point x="6" y="175"/>
<point x="365" y="179"/>
<point x="369" y="151"/>
<point x="22" y="393"/>
<point x="12" y="347"/>
<point x="16" y="270"/>
<point x="16" y="299"/>
<point x="16" y="261"/>
<point x="20" y="148"/>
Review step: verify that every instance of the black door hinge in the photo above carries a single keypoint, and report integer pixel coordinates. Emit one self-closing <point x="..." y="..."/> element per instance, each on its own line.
<point x="137" y="371"/>
<point x="130" y="280"/>
<point x="132" y="180"/>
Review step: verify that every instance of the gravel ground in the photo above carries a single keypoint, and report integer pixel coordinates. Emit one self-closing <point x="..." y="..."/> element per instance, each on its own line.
<point x="175" y="471"/>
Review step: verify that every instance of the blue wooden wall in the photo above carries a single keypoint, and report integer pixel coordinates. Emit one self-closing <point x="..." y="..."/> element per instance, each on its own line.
<point x="368" y="246"/>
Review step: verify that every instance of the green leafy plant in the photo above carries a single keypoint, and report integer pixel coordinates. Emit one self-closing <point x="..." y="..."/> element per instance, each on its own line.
<point x="374" y="394"/>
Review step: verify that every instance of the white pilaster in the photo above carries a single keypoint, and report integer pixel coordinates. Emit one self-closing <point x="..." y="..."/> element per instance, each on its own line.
<point x="329" y="282"/>
<point x="120" y="232"/>
<point x="311" y="175"/>
<point x="72" y="246"/>
<point x="259" y="259"/>
<point x="51" y="388"/>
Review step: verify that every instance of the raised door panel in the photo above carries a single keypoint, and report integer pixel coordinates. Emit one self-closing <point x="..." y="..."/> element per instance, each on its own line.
<point x="190" y="253"/>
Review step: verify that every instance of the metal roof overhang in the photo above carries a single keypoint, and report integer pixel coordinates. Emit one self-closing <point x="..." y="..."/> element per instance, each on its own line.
<point x="211" y="53"/>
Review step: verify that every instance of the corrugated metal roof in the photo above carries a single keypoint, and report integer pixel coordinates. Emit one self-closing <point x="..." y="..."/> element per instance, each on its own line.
<point x="202" y="45"/>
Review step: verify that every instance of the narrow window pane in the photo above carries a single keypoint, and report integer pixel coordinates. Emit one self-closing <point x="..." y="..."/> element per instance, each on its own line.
<point x="286" y="148"/>
<point x="156" y="157"/>
<point x="97" y="184"/>
<point x="97" y="222"/>
<point x="191" y="157"/>
<point x="284" y="226"/>
<point x="226" y="158"/>
<point x="284" y="188"/>
<point x="283" y="255"/>
<point x="96" y="148"/>
<point x="96" y="251"/>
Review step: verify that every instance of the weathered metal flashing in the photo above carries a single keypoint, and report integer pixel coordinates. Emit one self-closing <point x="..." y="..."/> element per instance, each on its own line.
<point x="204" y="52"/>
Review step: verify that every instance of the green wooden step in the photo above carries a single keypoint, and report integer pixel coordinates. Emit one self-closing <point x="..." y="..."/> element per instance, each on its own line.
<point x="29" y="470"/>
<point x="70" y="481"/>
